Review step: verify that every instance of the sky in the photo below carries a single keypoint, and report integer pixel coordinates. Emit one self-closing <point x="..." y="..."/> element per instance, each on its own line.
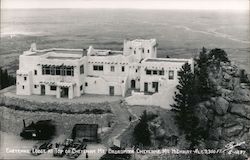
<point x="131" y="4"/>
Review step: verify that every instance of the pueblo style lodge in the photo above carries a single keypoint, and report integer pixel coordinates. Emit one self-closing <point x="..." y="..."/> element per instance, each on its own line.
<point x="73" y="72"/>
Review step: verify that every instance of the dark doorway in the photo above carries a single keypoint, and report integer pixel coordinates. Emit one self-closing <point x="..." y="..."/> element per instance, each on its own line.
<point x="132" y="83"/>
<point x="111" y="90"/>
<point x="64" y="92"/>
<point x="155" y="86"/>
<point x="86" y="132"/>
<point x="42" y="89"/>
<point x="145" y="87"/>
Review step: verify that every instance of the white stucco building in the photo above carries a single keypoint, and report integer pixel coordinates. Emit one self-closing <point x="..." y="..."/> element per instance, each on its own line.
<point x="73" y="72"/>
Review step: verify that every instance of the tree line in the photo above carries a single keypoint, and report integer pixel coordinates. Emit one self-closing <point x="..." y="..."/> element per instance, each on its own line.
<point x="6" y="80"/>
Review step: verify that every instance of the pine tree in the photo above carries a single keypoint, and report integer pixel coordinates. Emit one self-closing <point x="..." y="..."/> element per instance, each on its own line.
<point x="141" y="131"/>
<point x="184" y="106"/>
<point x="218" y="55"/>
<point x="202" y="77"/>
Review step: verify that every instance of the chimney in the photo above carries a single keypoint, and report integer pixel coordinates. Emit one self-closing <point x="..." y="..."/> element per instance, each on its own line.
<point x="24" y="123"/>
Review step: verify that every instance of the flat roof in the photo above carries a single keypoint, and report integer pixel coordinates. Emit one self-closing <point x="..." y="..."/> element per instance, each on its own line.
<point x="166" y="60"/>
<point x="82" y="52"/>
<point x="71" y="58"/>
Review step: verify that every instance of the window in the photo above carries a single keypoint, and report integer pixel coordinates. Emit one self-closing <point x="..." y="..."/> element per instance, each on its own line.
<point x="35" y="86"/>
<point x="47" y="70"/>
<point x="178" y="73"/>
<point x="95" y="68"/>
<point x="35" y="72"/>
<point x="58" y="71"/>
<point x="101" y="68"/>
<point x="25" y="78"/>
<point x="112" y="68"/>
<point x="23" y="87"/>
<point x="53" y="71"/>
<point x="148" y="72"/>
<point x="142" y="50"/>
<point x="155" y="72"/>
<point x="134" y="51"/>
<point x="98" y="68"/>
<point x="154" y="84"/>
<point x="135" y="70"/>
<point x="80" y="87"/>
<point x="148" y="50"/>
<point x="86" y="84"/>
<point x="171" y="74"/>
<point x="63" y="71"/>
<point x="161" y="72"/>
<point x="123" y="68"/>
<point x="81" y="69"/>
<point x="53" y="88"/>
<point x="70" y="71"/>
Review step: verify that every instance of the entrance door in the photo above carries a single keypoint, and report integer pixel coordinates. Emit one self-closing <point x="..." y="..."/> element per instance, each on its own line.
<point x="42" y="89"/>
<point x="132" y="83"/>
<point x="155" y="86"/>
<point x="64" y="92"/>
<point x="145" y="87"/>
<point x="111" y="90"/>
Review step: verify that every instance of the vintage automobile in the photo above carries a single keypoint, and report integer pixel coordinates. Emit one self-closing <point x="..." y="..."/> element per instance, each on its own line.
<point x="75" y="149"/>
<point x="41" y="147"/>
<point x="41" y="130"/>
<point x="60" y="148"/>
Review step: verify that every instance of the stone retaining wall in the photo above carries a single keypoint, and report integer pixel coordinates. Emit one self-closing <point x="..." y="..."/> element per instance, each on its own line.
<point x="54" y="106"/>
<point x="12" y="120"/>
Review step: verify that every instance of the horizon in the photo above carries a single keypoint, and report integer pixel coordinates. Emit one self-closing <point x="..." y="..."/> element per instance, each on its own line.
<point x="230" y="5"/>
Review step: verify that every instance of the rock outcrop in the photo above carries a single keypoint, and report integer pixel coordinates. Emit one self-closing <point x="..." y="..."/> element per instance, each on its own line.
<point x="227" y="116"/>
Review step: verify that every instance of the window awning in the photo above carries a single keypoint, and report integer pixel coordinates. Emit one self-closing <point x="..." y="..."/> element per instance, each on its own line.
<point x="53" y="65"/>
<point x="65" y="84"/>
<point x="60" y="84"/>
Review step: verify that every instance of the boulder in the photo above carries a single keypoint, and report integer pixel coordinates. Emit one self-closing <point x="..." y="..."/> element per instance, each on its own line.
<point x="227" y="77"/>
<point x="207" y="104"/>
<point x="241" y="95"/>
<point x="226" y="94"/>
<point x="218" y="121"/>
<point x="220" y="106"/>
<point x="215" y="133"/>
<point x="242" y="110"/>
<point x="233" y="130"/>
<point x="236" y="82"/>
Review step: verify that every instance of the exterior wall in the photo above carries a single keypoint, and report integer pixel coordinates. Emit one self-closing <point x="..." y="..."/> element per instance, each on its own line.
<point x="120" y="70"/>
<point x="100" y="85"/>
<point x="140" y="48"/>
<point x="24" y="81"/>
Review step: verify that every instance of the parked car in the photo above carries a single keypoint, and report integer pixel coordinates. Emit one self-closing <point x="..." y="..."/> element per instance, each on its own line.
<point x="41" y="148"/>
<point x="60" y="148"/>
<point x="75" y="149"/>
<point x="41" y="130"/>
